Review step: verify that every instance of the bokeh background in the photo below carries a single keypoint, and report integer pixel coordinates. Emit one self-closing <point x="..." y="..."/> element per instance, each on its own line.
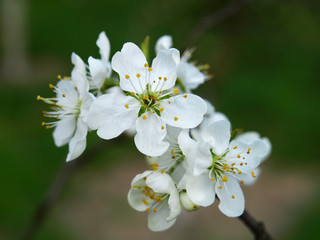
<point x="265" y="61"/>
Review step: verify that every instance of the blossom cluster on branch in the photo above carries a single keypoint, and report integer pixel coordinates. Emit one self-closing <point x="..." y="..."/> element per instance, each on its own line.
<point x="193" y="153"/>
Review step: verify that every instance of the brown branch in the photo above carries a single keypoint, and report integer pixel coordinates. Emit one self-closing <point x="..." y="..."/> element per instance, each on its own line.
<point x="214" y="19"/>
<point x="57" y="186"/>
<point x="257" y="228"/>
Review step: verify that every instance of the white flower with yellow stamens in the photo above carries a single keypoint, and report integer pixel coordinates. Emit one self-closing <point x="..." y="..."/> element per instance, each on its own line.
<point x="189" y="75"/>
<point x="70" y="107"/>
<point x="155" y="193"/>
<point x="218" y="166"/>
<point x="150" y="103"/>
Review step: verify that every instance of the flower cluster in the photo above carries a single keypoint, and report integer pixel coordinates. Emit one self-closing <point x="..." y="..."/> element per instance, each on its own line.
<point x="193" y="155"/>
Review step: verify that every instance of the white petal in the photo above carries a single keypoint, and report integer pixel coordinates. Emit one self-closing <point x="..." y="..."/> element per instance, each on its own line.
<point x="78" y="143"/>
<point x="130" y="61"/>
<point x="209" y="119"/>
<point x="186" y="143"/>
<point x="218" y="135"/>
<point x="164" y="72"/>
<point x="249" y="178"/>
<point x="150" y="134"/>
<point x="232" y="207"/>
<point x="99" y="71"/>
<point x="87" y="101"/>
<point x="184" y="111"/>
<point x="160" y="182"/>
<point x="110" y="116"/>
<point x="157" y="221"/>
<point x="78" y="74"/>
<point x="64" y="131"/>
<point x="163" y="43"/>
<point x="174" y="205"/>
<point x="202" y="158"/>
<point x="190" y="75"/>
<point x="104" y="46"/>
<point x="135" y="197"/>
<point x="201" y="190"/>
<point x="178" y="174"/>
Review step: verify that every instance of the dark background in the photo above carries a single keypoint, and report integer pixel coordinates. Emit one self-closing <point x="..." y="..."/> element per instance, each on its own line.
<point x="265" y="61"/>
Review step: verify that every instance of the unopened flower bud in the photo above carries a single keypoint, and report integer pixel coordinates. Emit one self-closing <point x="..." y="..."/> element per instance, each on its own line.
<point x="186" y="202"/>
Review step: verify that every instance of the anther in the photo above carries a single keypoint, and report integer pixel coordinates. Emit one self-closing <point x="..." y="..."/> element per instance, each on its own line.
<point x="212" y="179"/>
<point x="162" y="171"/>
<point x="185" y="96"/>
<point x="63" y="95"/>
<point x="165" y="78"/>
<point x="162" y="127"/>
<point x="132" y="93"/>
<point x="126" y="106"/>
<point x="50" y="85"/>
<point x="161" y="109"/>
<point x="148" y="209"/>
<point x="138" y="75"/>
<point x="224" y="179"/>
<point x="233" y="196"/>
<point x="176" y="91"/>
<point x="38" y="97"/>
<point x="235" y="147"/>
<point x="241" y="163"/>
<point x="146" y="65"/>
<point x="220" y="187"/>
<point x="248" y="151"/>
<point x="59" y="77"/>
<point x="252" y="174"/>
<point x="149" y="69"/>
<point x="238" y="156"/>
<point x="127" y="76"/>
<point x="176" y="118"/>
<point x="146" y="97"/>
<point x="144" y="201"/>
<point x="174" y="155"/>
<point x="241" y="181"/>
<point x="144" y="117"/>
<point x="154" y="210"/>
<point x="43" y="123"/>
<point x="160" y="78"/>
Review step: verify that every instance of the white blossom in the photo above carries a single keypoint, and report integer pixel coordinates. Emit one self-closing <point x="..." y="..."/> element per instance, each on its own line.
<point x="70" y="107"/>
<point x="150" y="105"/>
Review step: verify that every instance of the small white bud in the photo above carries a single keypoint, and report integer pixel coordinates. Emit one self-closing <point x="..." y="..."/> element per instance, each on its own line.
<point x="186" y="202"/>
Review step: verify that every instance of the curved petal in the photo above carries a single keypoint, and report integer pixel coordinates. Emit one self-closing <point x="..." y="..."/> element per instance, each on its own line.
<point x="184" y="111"/>
<point x="186" y="143"/>
<point x="218" y="136"/>
<point x="174" y="205"/>
<point x="104" y="46"/>
<point x="78" y="143"/>
<point x="160" y="182"/>
<point x="112" y="114"/>
<point x="64" y="130"/>
<point x="128" y="63"/>
<point x="164" y="72"/>
<point x="209" y="119"/>
<point x="202" y="158"/>
<point x="201" y="190"/>
<point x="157" y="220"/>
<point x="99" y="71"/>
<point x="151" y="130"/>
<point x="190" y="75"/>
<point x="249" y="178"/>
<point x="78" y="74"/>
<point x="135" y="199"/>
<point x="231" y="198"/>
<point x="163" y="43"/>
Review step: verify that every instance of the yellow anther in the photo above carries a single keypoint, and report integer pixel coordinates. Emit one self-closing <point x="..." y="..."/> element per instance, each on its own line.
<point x="126" y="106"/>
<point x="233" y="196"/>
<point x="235" y="147"/>
<point x="134" y="186"/>
<point x="38" y="97"/>
<point x="148" y="209"/>
<point x="161" y="109"/>
<point x="146" y="97"/>
<point x="155" y="169"/>
<point x="239" y="172"/>
<point x="162" y="171"/>
<point x="165" y="78"/>
<point x="224" y="179"/>
<point x="127" y="76"/>
<point x="154" y="210"/>
<point x="238" y="156"/>
<point x="224" y="166"/>
<point x="228" y="170"/>
<point x="144" y="201"/>
<point x="146" y="65"/>
<point x="248" y="151"/>
<point x="158" y="199"/>
<point x="212" y="179"/>
<point x="144" y="117"/>
<point x="185" y="96"/>
<point x="138" y="75"/>
<point x="252" y="174"/>
<point x="43" y="123"/>
<point x="241" y="163"/>
<point x="176" y="91"/>
<point x="220" y="187"/>
<point x="63" y="95"/>
<point x="162" y="127"/>
<point x="144" y="178"/>
<point x="233" y="164"/>
<point x="171" y="151"/>
<point x="174" y="155"/>
<point x="47" y="127"/>
<point x="176" y="118"/>
<point x="169" y="102"/>
<point x="132" y="93"/>
<point x="59" y="77"/>
<point x="75" y="88"/>
<point x="241" y="181"/>
<point x="149" y="69"/>
<point x="50" y="85"/>
<point x="160" y="78"/>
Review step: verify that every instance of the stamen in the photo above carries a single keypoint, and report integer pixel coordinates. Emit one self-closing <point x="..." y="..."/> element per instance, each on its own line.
<point x="238" y="156"/>
<point x="248" y="151"/>
<point x="233" y="196"/>
<point x="212" y="179"/>
<point x="149" y="69"/>
<point x="224" y="179"/>
<point x="252" y="174"/>
<point x="161" y="109"/>
<point x="235" y="147"/>
<point x="126" y="106"/>
<point x="138" y="75"/>
<point x="154" y="210"/>
<point x="144" y="201"/>
<point x="241" y="181"/>
<point x="148" y="209"/>
<point x="162" y="127"/>
<point x="127" y="76"/>
<point x="185" y="96"/>
<point x="176" y="118"/>
<point x="220" y="187"/>
<point x="176" y="91"/>
<point x="59" y="77"/>
<point x="144" y="117"/>
<point x="146" y="65"/>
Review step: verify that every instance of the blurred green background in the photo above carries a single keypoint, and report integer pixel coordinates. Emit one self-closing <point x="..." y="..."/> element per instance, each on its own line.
<point x="265" y="61"/>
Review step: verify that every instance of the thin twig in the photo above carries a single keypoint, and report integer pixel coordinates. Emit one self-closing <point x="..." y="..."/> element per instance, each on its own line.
<point x="57" y="186"/>
<point x="257" y="228"/>
<point x="214" y="19"/>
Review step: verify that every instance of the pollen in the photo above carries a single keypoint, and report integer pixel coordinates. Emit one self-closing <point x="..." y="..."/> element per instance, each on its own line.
<point x="160" y="78"/>
<point x="176" y="91"/>
<point x="162" y="127"/>
<point x="132" y="93"/>
<point x="144" y="201"/>
<point x="176" y="118"/>
<point x="220" y="187"/>
<point x="172" y="151"/>
<point x="161" y="109"/>
<point x="144" y="117"/>
<point x="238" y="156"/>
<point x="233" y="164"/>
<point x="224" y="179"/>
<point x="63" y="95"/>
<point x="38" y="97"/>
<point x="149" y="69"/>
<point x="146" y="97"/>
<point x="148" y="209"/>
<point x="158" y="199"/>
<point x="185" y="96"/>
<point x="75" y="88"/>
<point x="43" y="123"/>
<point x="248" y="150"/>
<point x="235" y="147"/>
<point x="146" y="65"/>
<point x="233" y="196"/>
<point x="162" y="171"/>
<point x="239" y="172"/>
<point x="241" y="163"/>
<point x="154" y="210"/>
<point x="174" y="155"/>
<point x="212" y="179"/>
<point x="50" y="85"/>
<point x="126" y="106"/>
<point x="241" y="181"/>
<point x="252" y="174"/>
<point x="59" y="77"/>
<point x="165" y="78"/>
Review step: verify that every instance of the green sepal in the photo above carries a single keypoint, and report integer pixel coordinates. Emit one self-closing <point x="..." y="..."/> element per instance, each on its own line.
<point x="165" y="97"/>
<point x="157" y="112"/>
<point x="141" y="111"/>
<point x="108" y="83"/>
<point x="145" y="47"/>
<point x="234" y="133"/>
